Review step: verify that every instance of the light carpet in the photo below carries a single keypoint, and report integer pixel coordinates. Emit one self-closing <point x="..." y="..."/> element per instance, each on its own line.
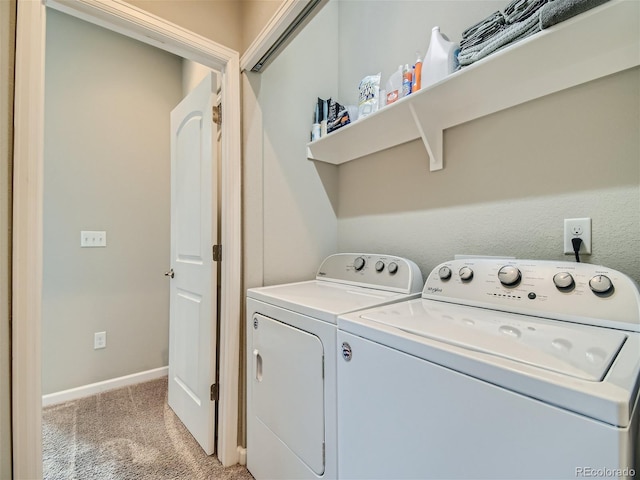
<point x="127" y="433"/>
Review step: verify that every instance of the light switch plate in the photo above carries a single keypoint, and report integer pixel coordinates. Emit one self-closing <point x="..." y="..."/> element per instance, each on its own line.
<point x="91" y="238"/>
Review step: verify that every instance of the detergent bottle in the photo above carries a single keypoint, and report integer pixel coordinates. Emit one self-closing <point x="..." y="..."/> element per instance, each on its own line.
<point x="440" y="60"/>
<point x="417" y="75"/>
<point x="407" y="80"/>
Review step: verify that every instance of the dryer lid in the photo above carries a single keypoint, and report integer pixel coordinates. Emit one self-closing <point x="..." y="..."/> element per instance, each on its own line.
<point x="324" y="300"/>
<point x="574" y="350"/>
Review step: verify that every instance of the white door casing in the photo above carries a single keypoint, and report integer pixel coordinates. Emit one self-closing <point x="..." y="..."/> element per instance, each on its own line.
<point x="193" y="303"/>
<point x="133" y="22"/>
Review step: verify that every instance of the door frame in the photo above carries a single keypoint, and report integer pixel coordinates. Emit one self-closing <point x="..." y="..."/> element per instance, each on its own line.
<point x="133" y="22"/>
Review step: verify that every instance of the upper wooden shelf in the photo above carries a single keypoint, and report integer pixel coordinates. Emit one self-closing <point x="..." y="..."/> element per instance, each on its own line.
<point x="599" y="42"/>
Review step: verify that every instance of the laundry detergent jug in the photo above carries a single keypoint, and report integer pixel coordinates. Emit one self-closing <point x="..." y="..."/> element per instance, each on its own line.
<point x="440" y="60"/>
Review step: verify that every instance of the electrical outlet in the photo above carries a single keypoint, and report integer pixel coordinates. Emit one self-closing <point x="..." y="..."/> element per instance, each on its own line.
<point x="577" y="228"/>
<point x="99" y="340"/>
<point x="93" y="238"/>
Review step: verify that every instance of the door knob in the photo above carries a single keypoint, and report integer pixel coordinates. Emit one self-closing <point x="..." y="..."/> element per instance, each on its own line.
<point x="169" y="273"/>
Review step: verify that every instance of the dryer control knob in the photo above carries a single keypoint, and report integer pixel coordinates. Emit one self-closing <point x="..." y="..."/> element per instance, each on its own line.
<point x="379" y="266"/>
<point x="358" y="264"/>
<point x="563" y="281"/>
<point x="444" y="273"/>
<point x="393" y="268"/>
<point x="466" y="274"/>
<point x="601" y="285"/>
<point x="509" y="275"/>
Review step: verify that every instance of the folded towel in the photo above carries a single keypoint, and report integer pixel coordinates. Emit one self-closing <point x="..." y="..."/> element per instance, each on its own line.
<point x="505" y="37"/>
<point x="520" y="19"/>
<point x="519" y="10"/>
<point x="482" y="30"/>
<point x="561" y="10"/>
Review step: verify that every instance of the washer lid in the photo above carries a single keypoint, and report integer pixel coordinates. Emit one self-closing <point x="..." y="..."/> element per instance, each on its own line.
<point x="325" y="300"/>
<point x="574" y="350"/>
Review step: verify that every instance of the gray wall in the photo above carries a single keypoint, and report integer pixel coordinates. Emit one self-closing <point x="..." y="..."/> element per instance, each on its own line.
<point x="219" y="20"/>
<point x="232" y="23"/>
<point x="107" y="167"/>
<point x="7" y="52"/>
<point x="254" y="15"/>
<point x="378" y="35"/>
<point x="289" y="204"/>
<point x="509" y="180"/>
<point x="290" y="220"/>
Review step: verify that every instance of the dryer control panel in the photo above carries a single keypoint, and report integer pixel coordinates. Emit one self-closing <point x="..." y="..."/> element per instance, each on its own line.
<point x="575" y="292"/>
<point x="386" y="272"/>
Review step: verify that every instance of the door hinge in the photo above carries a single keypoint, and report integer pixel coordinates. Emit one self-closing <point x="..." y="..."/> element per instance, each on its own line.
<point x="214" y="392"/>
<point x="217" y="253"/>
<point x="217" y="114"/>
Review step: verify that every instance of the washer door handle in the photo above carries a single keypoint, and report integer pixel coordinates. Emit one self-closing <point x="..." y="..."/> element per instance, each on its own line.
<point x="257" y="365"/>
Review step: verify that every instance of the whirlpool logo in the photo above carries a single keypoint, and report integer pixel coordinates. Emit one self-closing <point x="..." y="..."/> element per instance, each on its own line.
<point x="434" y="289"/>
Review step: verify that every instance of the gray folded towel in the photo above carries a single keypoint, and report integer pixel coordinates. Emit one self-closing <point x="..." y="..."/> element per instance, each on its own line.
<point x="521" y="19"/>
<point x="482" y="30"/>
<point x="505" y="37"/>
<point x="519" y="10"/>
<point x="561" y="10"/>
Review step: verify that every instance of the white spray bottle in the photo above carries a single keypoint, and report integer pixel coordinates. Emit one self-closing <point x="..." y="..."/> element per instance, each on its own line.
<point x="440" y="60"/>
<point x="394" y="86"/>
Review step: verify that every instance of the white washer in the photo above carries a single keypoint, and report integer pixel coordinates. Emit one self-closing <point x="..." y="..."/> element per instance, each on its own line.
<point x="291" y="360"/>
<point x="503" y="369"/>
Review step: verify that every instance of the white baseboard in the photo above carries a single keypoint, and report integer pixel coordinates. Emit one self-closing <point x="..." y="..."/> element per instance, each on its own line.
<point x="93" y="388"/>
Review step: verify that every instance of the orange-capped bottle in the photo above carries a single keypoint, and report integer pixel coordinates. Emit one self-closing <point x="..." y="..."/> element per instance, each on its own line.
<point x="417" y="75"/>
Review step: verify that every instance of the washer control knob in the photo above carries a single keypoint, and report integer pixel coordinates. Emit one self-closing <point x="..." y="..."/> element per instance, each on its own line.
<point x="601" y="284"/>
<point x="563" y="281"/>
<point x="358" y="264"/>
<point x="509" y="275"/>
<point x="379" y="266"/>
<point x="466" y="274"/>
<point x="393" y="268"/>
<point x="444" y="273"/>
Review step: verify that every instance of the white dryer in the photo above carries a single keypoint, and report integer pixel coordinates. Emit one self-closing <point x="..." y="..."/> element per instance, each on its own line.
<point x="291" y="360"/>
<point x="503" y="369"/>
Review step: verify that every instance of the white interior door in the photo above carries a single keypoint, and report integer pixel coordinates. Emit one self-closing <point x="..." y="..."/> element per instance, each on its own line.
<point x="193" y="302"/>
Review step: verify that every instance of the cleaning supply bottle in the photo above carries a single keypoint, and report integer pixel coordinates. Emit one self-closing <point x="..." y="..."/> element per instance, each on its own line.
<point x="417" y="74"/>
<point x="394" y="86"/>
<point x="441" y="58"/>
<point x="407" y="80"/>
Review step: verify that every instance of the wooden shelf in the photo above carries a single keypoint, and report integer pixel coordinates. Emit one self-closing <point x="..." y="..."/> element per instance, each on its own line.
<point x="599" y="42"/>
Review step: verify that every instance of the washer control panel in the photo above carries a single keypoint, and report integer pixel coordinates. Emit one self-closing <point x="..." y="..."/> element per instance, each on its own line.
<point x="386" y="272"/>
<point x="577" y="292"/>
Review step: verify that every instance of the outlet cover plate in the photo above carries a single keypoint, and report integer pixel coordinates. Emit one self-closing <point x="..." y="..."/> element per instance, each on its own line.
<point x="577" y="227"/>
<point x="99" y="340"/>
